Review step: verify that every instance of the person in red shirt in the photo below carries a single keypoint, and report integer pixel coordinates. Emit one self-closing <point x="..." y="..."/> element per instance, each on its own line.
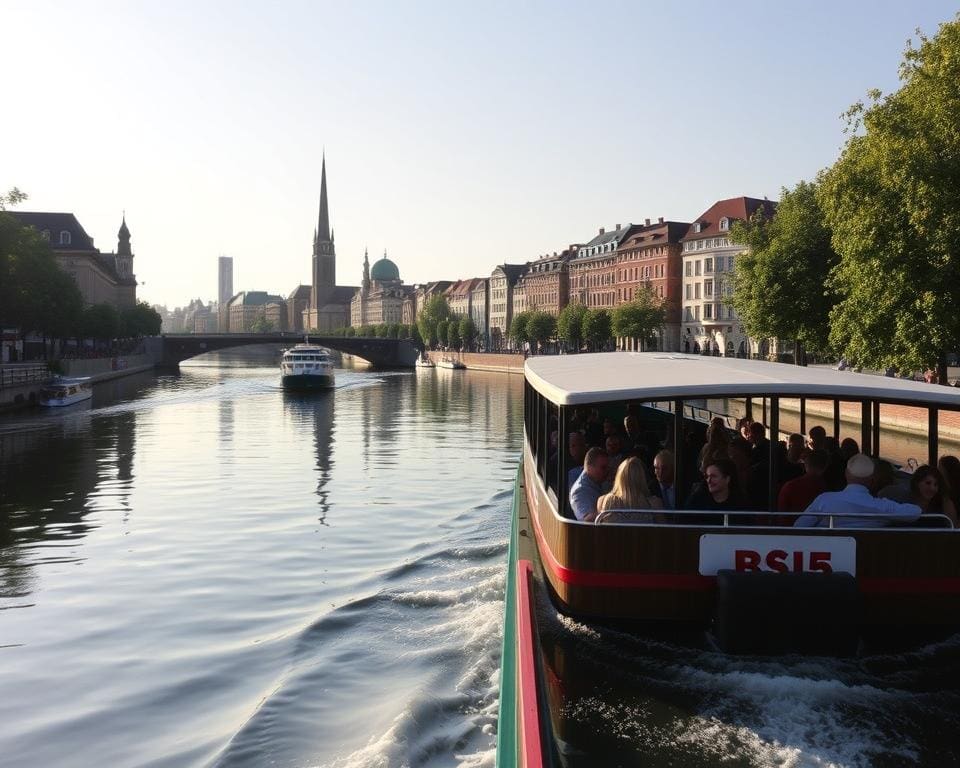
<point x="796" y="494"/>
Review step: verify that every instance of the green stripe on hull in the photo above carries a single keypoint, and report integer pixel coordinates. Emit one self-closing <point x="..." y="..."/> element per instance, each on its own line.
<point x="307" y="382"/>
<point x="507" y="717"/>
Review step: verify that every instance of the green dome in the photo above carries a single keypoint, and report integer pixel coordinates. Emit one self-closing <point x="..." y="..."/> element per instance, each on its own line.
<point x="384" y="270"/>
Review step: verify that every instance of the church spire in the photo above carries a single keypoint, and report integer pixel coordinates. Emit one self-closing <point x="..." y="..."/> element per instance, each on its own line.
<point x="323" y="225"/>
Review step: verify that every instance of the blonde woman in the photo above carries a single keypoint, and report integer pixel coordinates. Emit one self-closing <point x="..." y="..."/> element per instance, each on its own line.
<point x="630" y="492"/>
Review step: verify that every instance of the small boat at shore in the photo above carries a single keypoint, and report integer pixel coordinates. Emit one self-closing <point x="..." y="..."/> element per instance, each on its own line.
<point x="306" y="367"/>
<point x="451" y="363"/>
<point x="741" y="581"/>
<point x="66" y="391"/>
<point x="424" y="361"/>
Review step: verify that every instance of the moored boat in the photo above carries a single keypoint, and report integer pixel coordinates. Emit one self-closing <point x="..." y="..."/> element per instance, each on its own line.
<point x="424" y="361"/>
<point x="306" y="367"/>
<point x="451" y="363"/>
<point x="66" y="391"/>
<point x="751" y="584"/>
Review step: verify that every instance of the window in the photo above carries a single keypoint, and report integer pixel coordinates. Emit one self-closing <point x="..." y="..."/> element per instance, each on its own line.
<point x="724" y="224"/>
<point x="730" y="263"/>
<point x="696" y="312"/>
<point x="707" y="311"/>
<point x="696" y="291"/>
<point x="689" y="291"/>
<point x="45" y="235"/>
<point x="699" y="245"/>
<point x="688" y="269"/>
<point x="696" y="227"/>
<point x="696" y="268"/>
<point x="64" y="237"/>
<point x="708" y="288"/>
<point x="708" y="265"/>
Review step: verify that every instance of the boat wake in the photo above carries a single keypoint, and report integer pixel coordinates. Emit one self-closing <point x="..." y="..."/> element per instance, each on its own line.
<point x="689" y="704"/>
<point x="405" y="675"/>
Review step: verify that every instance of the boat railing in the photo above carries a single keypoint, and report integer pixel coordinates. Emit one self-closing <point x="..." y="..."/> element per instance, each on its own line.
<point x="759" y="520"/>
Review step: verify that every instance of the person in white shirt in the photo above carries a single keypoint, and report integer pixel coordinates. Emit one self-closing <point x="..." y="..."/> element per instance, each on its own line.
<point x="855" y="500"/>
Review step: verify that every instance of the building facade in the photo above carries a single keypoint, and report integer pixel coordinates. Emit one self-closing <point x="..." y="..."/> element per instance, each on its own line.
<point x="224" y="288"/>
<point x="381" y="294"/>
<point x="103" y="278"/>
<point x="298" y="302"/>
<point x="480" y="310"/>
<point x="653" y="257"/>
<point x="503" y="279"/>
<point x="546" y="283"/>
<point x="709" y="323"/>
<point x="247" y="306"/>
<point x="593" y="271"/>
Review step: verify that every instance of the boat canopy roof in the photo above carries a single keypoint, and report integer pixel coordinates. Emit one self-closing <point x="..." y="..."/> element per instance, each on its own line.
<point x="613" y="376"/>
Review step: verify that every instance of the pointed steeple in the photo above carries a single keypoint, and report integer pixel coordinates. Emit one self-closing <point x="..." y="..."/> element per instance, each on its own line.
<point x="123" y="238"/>
<point x="323" y="225"/>
<point x="366" y="270"/>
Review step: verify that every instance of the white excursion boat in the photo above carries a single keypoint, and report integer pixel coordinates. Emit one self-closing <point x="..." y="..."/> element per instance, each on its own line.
<point x="424" y="361"/>
<point x="451" y="363"/>
<point x="66" y="391"/>
<point x="306" y="367"/>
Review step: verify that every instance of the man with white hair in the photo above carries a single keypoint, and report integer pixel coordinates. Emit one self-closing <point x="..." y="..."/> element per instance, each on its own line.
<point x="855" y="500"/>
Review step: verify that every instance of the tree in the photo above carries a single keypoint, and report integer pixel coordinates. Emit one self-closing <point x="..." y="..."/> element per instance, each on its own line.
<point x="518" y="329"/>
<point x="435" y="310"/>
<point x="101" y="322"/>
<point x="541" y="327"/>
<point x="597" y="327"/>
<point x="440" y="331"/>
<point x="468" y="331"/>
<point x="415" y="334"/>
<point x="381" y="331"/>
<point x="892" y="200"/>
<point x="140" y="320"/>
<point x="570" y="324"/>
<point x="453" y="333"/>
<point x="640" y="318"/>
<point x="261" y="324"/>
<point x="13" y="197"/>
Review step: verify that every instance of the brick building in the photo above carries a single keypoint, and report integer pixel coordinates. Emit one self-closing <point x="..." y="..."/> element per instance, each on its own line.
<point x="593" y="271"/>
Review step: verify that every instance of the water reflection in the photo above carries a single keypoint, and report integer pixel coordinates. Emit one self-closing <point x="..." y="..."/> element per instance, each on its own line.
<point x="314" y="412"/>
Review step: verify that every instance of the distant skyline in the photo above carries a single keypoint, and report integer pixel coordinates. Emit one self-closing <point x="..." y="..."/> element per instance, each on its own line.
<point x="457" y="137"/>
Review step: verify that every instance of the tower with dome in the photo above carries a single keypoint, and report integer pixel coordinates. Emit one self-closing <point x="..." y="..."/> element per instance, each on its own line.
<point x="380" y="296"/>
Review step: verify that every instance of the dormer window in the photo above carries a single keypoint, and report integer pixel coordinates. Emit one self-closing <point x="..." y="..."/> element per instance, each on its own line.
<point x="45" y="235"/>
<point x="724" y="224"/>
<point x="64" y="237"/>
<point x="697" y="227"/>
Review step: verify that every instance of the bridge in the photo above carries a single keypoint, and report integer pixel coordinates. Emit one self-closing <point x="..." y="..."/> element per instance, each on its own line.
<point x="381" y="353"/>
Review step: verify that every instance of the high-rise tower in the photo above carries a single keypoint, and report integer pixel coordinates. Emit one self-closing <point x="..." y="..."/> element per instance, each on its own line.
<point x="124" y="256"/>
<point x="324" y="252"/>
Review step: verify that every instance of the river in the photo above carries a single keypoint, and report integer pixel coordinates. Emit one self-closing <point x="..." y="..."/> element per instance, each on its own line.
<point x="201" y="570"/>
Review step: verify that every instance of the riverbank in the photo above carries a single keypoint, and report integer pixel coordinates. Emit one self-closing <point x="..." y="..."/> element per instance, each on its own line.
<point x="484" y="361"/>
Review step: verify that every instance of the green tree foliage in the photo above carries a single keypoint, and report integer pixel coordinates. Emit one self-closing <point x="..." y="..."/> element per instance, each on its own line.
<point x="468" y="332"/>
<point x="892" y="200"/>
<point x="597" y="327"/>
<point x="570" y="324"/>
<point x="640" y="318"/>
<point x="435" y="310"/>
<point x="780" y="285"/>
<point x="350" y="332"/>
<point x="518" y="328"/>
<point x="453" y="333"/>
<point x="101" y="322"/>
<point x="13" y="197"/>
<point x="440" y="331"/>
<point x="393" y="331"/>
<point x="415" y="334"/>
<point x="541" y="327"/>
<point x="140" y="320"/>
<point x="261" y="324"/>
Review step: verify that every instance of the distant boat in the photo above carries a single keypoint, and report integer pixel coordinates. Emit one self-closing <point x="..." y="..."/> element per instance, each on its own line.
<point x="424" y="361"/>
<point x="452" y="364"/>
<point x="306" y="367"/>
<point x="65" y="391"/>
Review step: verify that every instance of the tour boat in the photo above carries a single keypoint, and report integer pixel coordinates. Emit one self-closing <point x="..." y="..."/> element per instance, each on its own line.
<point x="744" y="583"/>
<point x="306" y="367"/>
<point x="66" y="391"/>
<point x="424" y="361"/>
<point x="451" y="363"/>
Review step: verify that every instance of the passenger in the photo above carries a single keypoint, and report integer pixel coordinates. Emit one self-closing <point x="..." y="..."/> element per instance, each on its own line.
<point x="739" y="454"/>
<point x="630" y="493"/>
<point x="589" y="486"/>
<point x="949" y="467"/>
<point x="795" y="449"/>
<point x="759" y="445"/>
<point x="797" y="494"/>
<point x="631" y="428"/>
<point x="743" y="427"/>
<point x="818" y="439"/>
<point x="720" y="492"/>
<point x="663" y="469"/>
<point x="927" y="491"/>
<point x="576" y="451"/>
<point x="718" y="442"/>
<point x="614" y="447"/>
<point x="593" y="430"/>
<point x="855" y="500"/>
<point x="885" y="485"/>
<point x="848" y="448"/>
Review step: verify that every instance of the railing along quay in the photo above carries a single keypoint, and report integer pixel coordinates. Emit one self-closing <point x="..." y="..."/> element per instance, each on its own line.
<point x="18" y="374"/>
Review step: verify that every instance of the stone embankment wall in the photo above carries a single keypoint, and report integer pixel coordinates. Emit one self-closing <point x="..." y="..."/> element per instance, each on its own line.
<point x="104" y="368"/>
<point x="482" y="361"/>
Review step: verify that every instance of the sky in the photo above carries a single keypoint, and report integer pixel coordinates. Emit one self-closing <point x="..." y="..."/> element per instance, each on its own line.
<point x="458" y="136"/>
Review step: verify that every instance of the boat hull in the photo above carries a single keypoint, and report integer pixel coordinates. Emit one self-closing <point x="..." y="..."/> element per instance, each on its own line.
<point x="59" y="402"/>
<point x="308" y="382"/>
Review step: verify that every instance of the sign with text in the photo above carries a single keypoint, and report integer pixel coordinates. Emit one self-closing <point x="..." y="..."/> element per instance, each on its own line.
<point x="777" y="554"/>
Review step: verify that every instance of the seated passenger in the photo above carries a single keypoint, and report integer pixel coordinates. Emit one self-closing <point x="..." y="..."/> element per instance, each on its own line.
<point x="927" y="492"/>
<point x="855" y="500"/>
<point x="630" y="492"/>
<point x="588" y="488"/>
<point x="797" y="494"/>
<point x="720" y="491"/>
<point x="576" y="451"/>
<point x="663" y="469"/>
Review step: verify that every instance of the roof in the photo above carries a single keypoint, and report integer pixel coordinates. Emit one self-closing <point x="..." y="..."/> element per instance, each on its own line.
<point x="605" y="236"/>
<point x="741" y="208"/>
<point x="300" y="293"/>
<point x="384" y="270"/>
<point x="511" y="271"/>
<point x="254" y="298"/>
<point x="610" y="376"/>
<point x="653" y="234"/>
<point x="55" y="223"/>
